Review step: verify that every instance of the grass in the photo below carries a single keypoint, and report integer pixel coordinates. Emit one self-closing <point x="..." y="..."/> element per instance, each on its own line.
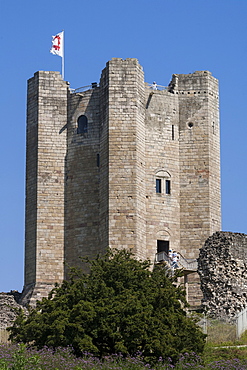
<point x="221" y="350"/>
<point x="219" y="332"/>
<point x="212" y="353"/>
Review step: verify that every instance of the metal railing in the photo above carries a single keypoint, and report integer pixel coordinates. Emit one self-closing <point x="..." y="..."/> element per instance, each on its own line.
<point x="84" y="88"/>
<point x="156" y="87"/>
<point x="186" y="264"/>
<point x="162" y="256"/>
<point x="95" y="84"/>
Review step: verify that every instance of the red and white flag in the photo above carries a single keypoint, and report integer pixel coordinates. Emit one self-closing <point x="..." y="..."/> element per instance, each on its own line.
<point x="57" y="44"/>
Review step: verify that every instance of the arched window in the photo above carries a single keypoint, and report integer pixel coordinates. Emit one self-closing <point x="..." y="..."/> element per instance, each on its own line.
<point x="82" y="125"/>
<point x="163" y="182"/>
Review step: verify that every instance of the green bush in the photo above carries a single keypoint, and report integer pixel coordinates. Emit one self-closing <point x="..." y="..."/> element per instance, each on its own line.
<point x="119" y="307"/>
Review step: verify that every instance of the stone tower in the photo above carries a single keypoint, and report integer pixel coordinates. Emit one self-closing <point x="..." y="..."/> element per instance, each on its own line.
<point x="118" y="164"/>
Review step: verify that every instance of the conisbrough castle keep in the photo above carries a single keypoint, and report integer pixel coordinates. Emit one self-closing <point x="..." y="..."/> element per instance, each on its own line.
<point x="118" y="164"/>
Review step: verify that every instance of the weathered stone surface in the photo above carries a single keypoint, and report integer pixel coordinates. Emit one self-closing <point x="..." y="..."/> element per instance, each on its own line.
<point x="8" y="308"/>
<point x="222" y="266"/>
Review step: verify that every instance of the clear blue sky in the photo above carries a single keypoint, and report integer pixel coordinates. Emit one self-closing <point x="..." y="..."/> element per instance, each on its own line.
<point x="167" y="36"/>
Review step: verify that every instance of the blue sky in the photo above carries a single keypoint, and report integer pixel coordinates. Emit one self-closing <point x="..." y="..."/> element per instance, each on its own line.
<point x="167" y="36"/>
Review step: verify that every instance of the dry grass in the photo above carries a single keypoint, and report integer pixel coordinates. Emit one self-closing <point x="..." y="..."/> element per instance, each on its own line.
<point x="220" y="332"/>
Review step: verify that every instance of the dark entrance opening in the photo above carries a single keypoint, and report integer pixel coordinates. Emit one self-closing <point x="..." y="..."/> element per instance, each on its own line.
<point x="162" y="246"/>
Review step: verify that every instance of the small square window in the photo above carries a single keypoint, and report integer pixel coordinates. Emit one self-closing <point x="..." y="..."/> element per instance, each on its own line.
<point x="158" y="185"/>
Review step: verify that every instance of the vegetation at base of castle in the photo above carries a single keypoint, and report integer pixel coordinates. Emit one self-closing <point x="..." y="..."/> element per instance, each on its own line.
<point x="20" y="357"/>
<point x="119" y="307"/>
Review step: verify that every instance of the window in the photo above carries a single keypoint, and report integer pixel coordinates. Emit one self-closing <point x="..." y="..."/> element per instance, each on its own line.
<point x="82" y="125"/>
<point x="173" y="135"/>
<point x="158" y="185"/>
<point x="163" y="182"/>
<point x="168" y="187"/>
<point x="162" y="246"/>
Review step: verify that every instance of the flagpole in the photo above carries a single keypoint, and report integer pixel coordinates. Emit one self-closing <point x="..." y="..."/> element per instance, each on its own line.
<point x="63" y="58"/>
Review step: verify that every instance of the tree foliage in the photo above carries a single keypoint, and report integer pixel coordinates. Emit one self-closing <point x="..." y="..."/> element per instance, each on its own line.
<point x="120" y="306"/>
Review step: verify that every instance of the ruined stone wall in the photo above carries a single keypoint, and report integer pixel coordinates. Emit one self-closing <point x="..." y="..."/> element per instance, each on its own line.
<point x="9" y="308"/>
<point x="222" y="266"/>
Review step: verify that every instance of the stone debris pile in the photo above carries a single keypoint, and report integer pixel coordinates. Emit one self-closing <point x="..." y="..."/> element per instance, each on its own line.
<point x="222" y="267"/>
<point x="8" y="308"/>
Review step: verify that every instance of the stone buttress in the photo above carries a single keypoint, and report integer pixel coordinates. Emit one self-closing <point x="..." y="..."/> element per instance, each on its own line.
<point x="45" y="169"/>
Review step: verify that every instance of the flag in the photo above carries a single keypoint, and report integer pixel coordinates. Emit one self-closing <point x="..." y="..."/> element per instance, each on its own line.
<point x="57" y="44"/>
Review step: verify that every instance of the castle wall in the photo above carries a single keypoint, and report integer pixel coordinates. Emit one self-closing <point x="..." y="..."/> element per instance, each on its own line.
<point x="31" y="180"/>
<point x="46" y="149"/>
<point x="200" y="212"/>
<point x="104" y="160"/>
<point x="162" y="162"/>
<point x="126" y="145"/>
<point x="95" y="186"/>
<point x="214" y="157"/>
<point x="82" y="179"/>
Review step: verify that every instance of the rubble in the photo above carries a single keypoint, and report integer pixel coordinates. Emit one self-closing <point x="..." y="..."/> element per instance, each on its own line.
<point x="9" y="308"/>
<point x="222" y="267"/>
